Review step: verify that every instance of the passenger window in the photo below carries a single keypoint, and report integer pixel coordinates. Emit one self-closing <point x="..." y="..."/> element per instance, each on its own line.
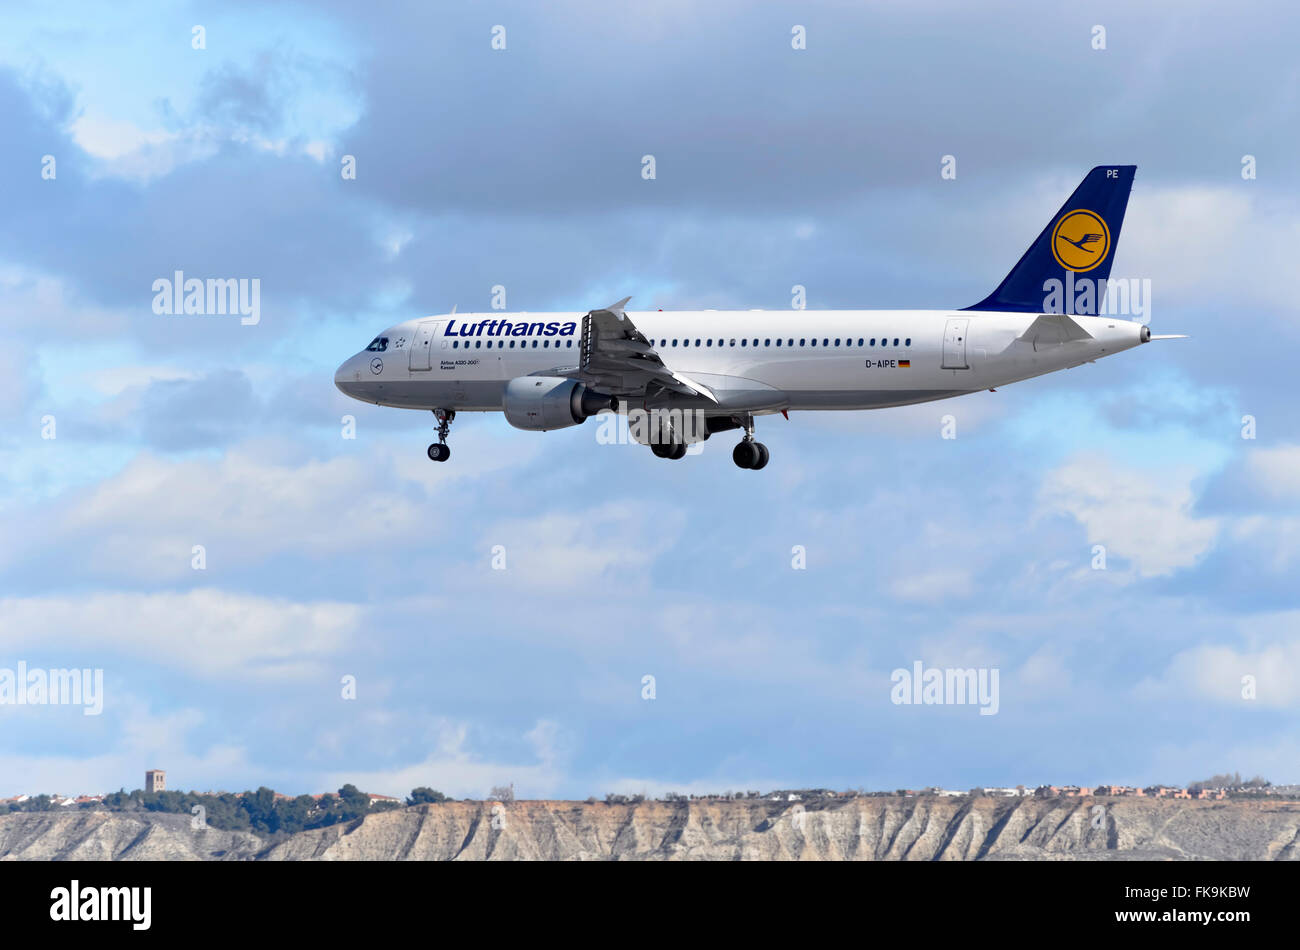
<point x="742" y="342"/>
<point x="895" y="341"/>
<point x="837" y="341"/>
<point x="802" y="341"/>
<point x="674" y="342"/>
<point x="908" y="341"/>
<point x="767" y="342"/>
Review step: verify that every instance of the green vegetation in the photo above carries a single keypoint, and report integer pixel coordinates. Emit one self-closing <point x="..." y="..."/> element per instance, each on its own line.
<point x="1229" y="780"/>
<point x="260" y="811"/>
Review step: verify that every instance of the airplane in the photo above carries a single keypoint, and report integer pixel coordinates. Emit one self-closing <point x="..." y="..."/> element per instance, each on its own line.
<point x="694" y="374"/>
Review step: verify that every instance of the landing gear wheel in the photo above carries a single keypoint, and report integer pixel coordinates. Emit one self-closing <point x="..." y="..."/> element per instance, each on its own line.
<point x="669" y="450"/>
<point x="440" y="451"/>
<point x="763" y="456"/>
<point x="746" y="454"/>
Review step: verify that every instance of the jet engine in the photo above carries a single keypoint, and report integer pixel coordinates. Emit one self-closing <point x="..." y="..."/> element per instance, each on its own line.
<point x="539" y="403"/>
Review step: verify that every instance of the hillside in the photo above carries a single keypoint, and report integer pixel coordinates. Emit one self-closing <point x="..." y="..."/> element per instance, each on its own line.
<point x="871" y="828"/>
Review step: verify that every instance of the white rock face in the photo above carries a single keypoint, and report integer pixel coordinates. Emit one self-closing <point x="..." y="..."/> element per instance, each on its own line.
<point x="860" y="829"/>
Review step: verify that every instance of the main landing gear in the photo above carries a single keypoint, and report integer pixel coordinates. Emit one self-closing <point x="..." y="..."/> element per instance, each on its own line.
<point x="669" y="450"/>
<point x="748" y="453"/>
<point x="440" y="451"/>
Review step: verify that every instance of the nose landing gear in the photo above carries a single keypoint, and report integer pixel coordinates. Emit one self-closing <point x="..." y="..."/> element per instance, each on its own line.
<point x="440" y="451"/>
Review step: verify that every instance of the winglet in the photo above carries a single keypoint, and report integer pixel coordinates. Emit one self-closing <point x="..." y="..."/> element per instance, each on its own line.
<point x="617" y="308"/>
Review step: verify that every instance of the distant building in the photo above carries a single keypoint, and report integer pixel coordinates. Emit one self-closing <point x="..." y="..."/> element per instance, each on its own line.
<point x="1165" y="791"/>
<point x="155" y="780"/>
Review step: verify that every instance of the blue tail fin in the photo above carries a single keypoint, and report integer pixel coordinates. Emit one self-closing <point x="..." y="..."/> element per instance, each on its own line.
<point x="1080" y="238"/>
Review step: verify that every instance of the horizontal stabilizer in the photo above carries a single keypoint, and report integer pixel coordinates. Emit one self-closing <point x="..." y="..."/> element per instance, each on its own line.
<point x="1054" y="328"/>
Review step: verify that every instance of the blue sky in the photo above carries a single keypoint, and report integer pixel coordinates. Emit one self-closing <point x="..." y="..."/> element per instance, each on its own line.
<point x="330" y="557"/>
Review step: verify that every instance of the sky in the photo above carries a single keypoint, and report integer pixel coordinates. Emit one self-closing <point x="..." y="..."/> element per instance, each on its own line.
<point x="278" y="596"/>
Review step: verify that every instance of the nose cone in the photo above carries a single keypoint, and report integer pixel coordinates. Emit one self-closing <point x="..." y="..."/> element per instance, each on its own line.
<point x="346" y="377"/>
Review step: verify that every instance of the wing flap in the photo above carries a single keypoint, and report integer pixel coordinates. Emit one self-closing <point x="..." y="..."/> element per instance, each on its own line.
<point x="616" y="358"/>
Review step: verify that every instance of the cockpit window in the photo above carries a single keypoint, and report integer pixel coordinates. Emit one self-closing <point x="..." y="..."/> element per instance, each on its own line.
<point x="378" y="345"/>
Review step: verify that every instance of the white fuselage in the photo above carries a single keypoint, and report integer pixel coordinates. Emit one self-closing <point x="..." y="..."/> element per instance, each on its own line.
<point x="752" y="361"/>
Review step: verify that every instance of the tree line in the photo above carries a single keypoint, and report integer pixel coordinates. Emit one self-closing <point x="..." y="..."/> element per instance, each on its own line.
<point x="260" y="811"/>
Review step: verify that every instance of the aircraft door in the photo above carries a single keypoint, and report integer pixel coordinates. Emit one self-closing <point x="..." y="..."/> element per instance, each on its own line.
<point x="954" y="343"/>
<point x="423" y="344"/>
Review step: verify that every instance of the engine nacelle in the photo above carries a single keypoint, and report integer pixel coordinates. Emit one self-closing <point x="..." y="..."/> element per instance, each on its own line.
<point x="540" y="403"/>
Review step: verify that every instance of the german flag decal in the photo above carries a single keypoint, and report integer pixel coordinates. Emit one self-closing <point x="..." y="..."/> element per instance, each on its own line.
<point x="904" y="364"/>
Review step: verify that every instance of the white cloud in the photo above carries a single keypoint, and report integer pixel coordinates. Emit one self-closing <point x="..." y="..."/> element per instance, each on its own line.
<point x="933" y="586"/>
<point x="1216" y="673"/>
<point x="1142" y="516"/>
<point x="108" y="138"/>
<point x="139" y="739"/>
<point x="613" y="543"/>
<point x="1276" y="471"/>
<point x="206" y="632"/>
<point x="455" y="770"/>
<point x="142" y="521"/>
<point x="1194" y="241"/>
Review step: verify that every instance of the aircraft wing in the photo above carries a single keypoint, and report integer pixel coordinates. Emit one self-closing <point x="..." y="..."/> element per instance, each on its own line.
<point x="616" y="358"/>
